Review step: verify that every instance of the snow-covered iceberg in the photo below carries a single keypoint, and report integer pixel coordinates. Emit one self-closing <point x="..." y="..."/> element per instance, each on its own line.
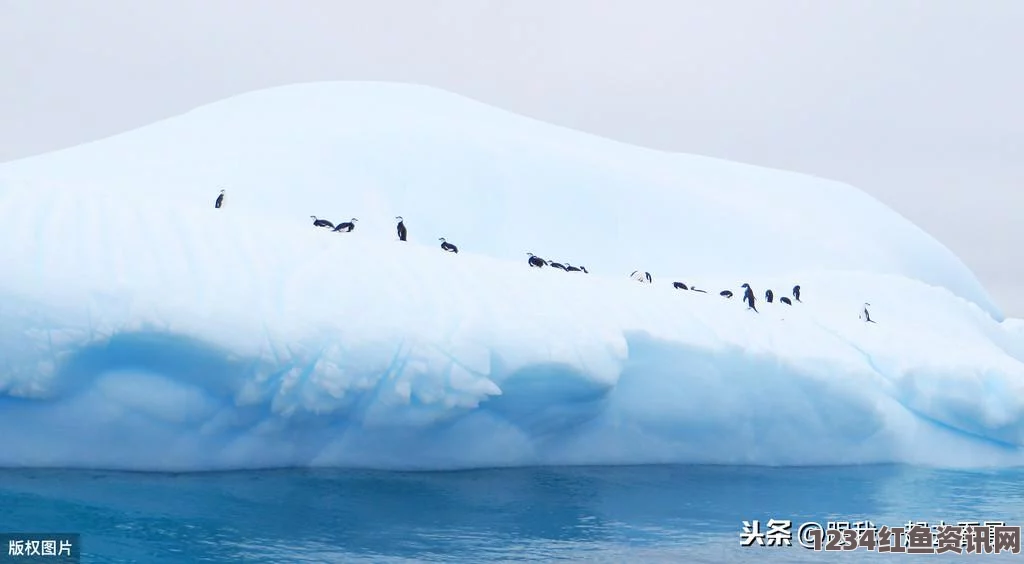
<point x="141" y="328"/>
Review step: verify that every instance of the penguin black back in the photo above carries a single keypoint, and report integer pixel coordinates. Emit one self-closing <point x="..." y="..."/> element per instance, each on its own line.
<point x="347" y="226"/>
<point x="445" y="245"/>
<point x="535" y="261"/>
<point x="725" y="293"/>
<point x="220" y="200"/>
<point x="748" y="296"/>
<point x="748" y="293"/>
<point x="557" y="265"/>
<point x="402" y="231"/>
<point x="786" y="300"/>
<point x="321" y="222"/>
<point x="769" y="296"/>
<point x="679" y="286"/>
<point x="796" y="292"/>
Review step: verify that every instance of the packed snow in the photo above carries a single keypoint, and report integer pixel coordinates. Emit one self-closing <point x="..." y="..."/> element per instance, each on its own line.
<point x="141" y="328"/>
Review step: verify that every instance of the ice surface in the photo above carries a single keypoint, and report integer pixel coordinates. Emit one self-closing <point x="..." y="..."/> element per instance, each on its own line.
<point x="141" y="328"/>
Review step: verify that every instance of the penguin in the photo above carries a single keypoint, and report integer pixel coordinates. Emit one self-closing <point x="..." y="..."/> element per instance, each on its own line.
<point x="796" y="292"/>
<point x="769" y="296"/>
<point x="748" y="296"/>
<point x="321" y="222"/>
<point x="694" y="289"/>
<point x="571" y="268"/>
<point x="346" y="227"/>
<point x="402" y="231"/>
<point x="445" y="245"/>
<point x="786" y="300"/>
<point x="644" y="277"/>
<point x="679" y="286"/>
<point x="220" y="200"/>
<point x="557" y="265"/>
<point x="866" y="315"/>
<point x="536" y="262"/>
<point x="725" y="293"/>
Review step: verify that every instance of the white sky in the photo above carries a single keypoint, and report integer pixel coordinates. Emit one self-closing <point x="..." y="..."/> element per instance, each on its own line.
<point x="919" y="103"/>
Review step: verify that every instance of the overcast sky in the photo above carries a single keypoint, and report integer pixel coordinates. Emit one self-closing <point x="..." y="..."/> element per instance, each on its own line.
<point x="919" y="103"/>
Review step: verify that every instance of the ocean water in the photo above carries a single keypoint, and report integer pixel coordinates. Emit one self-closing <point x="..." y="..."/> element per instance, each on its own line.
<point x="596" y="514"/>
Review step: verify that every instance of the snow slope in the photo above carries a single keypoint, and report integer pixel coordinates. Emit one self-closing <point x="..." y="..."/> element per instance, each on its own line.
<point x="141" y="328"/>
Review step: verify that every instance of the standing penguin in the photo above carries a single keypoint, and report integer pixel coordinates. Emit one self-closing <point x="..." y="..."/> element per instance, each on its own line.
<point x="769" y="296"/>
<point x="445" y="245"/>
<point x="748" y="296"/>
<point x="220" y="200"/>
<point x="402" y="231"/>
<point x="796" y="292"/>
<point x="865" y="314"/>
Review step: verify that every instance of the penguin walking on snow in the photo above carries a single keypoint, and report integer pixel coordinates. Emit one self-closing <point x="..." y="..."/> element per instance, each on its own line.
<point x="322" y="223"/>
<point x="865" y="314"/>
<point x="679" y="286"/>
<point x="796" y="292"/>
<point x="445" y="245"/>
<point x="536" y="262"/>
<point x="769" y="296"/>
<point x="786" y="300"/>
<point x="220" y="200"/>
<point x="748" y="296"/>
<point x="346" y="227"/>
<point x="402" y="231"/>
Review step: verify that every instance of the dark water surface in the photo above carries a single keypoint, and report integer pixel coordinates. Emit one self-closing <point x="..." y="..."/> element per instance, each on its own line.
<point x="606" y="514"/>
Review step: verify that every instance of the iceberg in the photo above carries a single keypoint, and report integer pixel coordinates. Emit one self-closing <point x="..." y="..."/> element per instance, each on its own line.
<point x="143" y="329"/>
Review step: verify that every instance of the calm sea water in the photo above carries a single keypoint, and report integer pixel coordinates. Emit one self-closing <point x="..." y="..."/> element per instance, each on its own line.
<point x="618" y="514"/>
